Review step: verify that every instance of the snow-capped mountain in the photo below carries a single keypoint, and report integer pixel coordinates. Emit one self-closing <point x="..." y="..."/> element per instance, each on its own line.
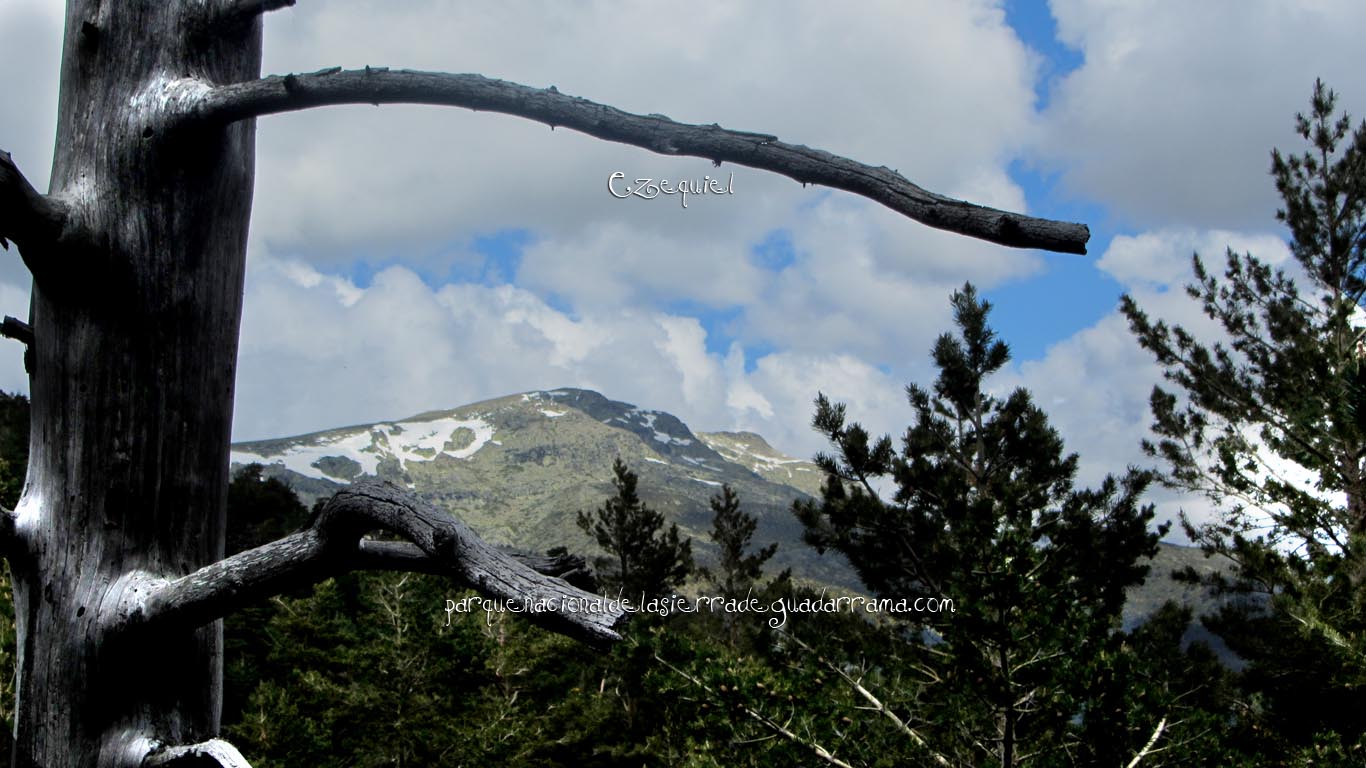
<point x="517" y="468"/>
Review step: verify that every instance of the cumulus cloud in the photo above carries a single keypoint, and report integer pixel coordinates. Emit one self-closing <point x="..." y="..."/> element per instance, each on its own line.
<point x="318" y="351"/>
<point x="614" y="263"/>
<point x="1166" y="126"/>
<point x="1171" y="118"/>
<point x="341" y="182"/>
<point x="1096" y="383"/>
<point x="588" y="303"/>
<point x="868" y="286"/>
<point x="1163" y="257"/>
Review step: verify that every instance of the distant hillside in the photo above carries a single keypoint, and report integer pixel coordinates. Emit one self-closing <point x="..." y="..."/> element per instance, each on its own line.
<point x="518" y="467"/>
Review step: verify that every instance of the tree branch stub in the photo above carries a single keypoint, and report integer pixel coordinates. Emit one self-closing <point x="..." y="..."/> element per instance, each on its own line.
<point x="34" y="222"/>
<point x="238" y="12"/>
<point x="9" y="533"/>
<point x="657" y="133"/>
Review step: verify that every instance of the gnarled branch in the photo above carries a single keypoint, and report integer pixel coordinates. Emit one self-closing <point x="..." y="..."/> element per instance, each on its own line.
<point x="374" y="555"/>
<point x="437" y="543"/>
<point x="657" y="133"/>
<point x="214" y="752"/>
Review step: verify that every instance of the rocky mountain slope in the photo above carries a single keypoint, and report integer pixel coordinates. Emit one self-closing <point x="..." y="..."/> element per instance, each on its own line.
<point x="517" y="468"/>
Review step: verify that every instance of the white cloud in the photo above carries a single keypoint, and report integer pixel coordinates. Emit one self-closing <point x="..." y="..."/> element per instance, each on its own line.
<point x="867" y="286"/>
<point x="1171" y="119"/>
<point x="1167" y="126"/>
<point x="858" y="307"/>
<point x="741" y="396"/>
<point x="314" y="357"/>
<point x="617" y="263"/>
<point x="1095" y="384"/>
<point x="790" y="381"/>
<point x="406" y="179"/>
<point x="1163" y="257"/>
<point x="684" y="344"/>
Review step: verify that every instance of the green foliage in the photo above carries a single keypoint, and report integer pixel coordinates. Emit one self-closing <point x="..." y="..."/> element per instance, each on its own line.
<point x="1269" y="424"/>
<point x="737" y="569"/>
<point x="1148" y="680"/>
<point x="985" y="514"/>
<point x="643" y="557"/>
<point x="260" y="510"/>
<point x="362" y="671"/>
<point x="14" y="429"/>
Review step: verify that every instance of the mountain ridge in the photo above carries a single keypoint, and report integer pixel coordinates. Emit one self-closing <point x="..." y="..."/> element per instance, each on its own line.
<point x="516" y="468"/>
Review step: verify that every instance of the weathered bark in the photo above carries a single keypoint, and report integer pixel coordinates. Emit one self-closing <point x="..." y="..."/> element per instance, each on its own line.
<point x="137" y="253"/>
<point x="332" y="545"/>
<point x="214" y="752"/>
<point x="135" y="336"/>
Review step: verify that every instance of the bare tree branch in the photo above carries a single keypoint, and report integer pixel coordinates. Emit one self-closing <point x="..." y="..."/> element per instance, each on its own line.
<point x="214" y="752"/>
<point x="20" y="331"/>
<point x="765" y="720"/>
<point x="35" y="222"/>
<point x="657" y="133"/>
<point x="372" y="555"/>
<point x="1148" y="748"/>
<point x="333" y="544"/>
<point x="876" y="704"/>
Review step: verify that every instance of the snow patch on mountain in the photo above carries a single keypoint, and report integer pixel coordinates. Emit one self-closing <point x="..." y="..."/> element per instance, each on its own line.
<point x="700" y="463"/>
<point x="646" y="419"/>
<point x="746" y="455"/>
<point x="404" y="441"/>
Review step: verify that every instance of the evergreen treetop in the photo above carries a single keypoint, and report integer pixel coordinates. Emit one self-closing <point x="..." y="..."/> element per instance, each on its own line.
<point x="1270" y="423"/>
<point x="985" y="514"/>
<point x="643" y="557"/>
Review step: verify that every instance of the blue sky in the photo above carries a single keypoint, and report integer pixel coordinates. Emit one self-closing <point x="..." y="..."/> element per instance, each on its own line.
<point x="1092" y="293"/>
<point x="407" y="259"/>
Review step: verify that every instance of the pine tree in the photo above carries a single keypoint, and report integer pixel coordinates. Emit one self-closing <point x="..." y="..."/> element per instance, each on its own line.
<point x="1269" y="424"/>
<point x="985" y="514"/>
<point x="644" y="559"/>
<point x="737" y="569"/>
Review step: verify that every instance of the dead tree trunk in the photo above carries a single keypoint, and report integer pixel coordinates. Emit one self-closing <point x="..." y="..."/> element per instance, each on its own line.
<point x="135" y="318"/>
<point x="137" y="253"/>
